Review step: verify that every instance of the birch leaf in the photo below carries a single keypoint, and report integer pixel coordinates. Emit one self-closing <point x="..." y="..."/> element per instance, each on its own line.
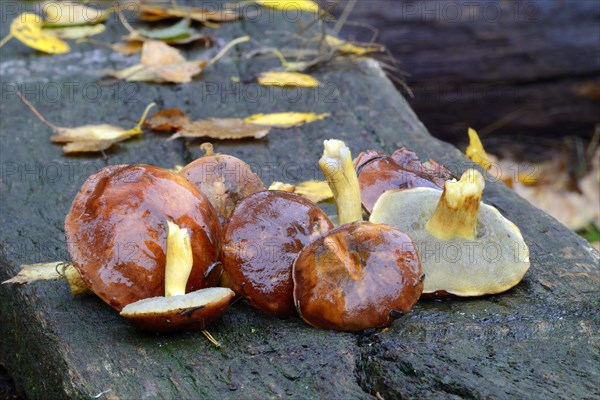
<point x="71" y="13"/>
<point x="283" y="5"/>
<point x="287" y="79"/>
<point x="285" y="120"/>
<point x="27" y="28"/>
<point x="77" y="32"/>
<point x="315" y="191"/>
<point x="152" y="13"/>
<point x="476" y="152"/>
<point x="222" y="128"/>
<point x="349" y="48"/>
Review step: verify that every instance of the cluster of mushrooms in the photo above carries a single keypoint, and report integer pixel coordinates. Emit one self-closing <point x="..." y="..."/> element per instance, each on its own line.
<point x="170" y="250"/>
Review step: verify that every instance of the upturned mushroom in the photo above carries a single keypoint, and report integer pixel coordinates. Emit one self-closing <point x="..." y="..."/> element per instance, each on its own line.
<point x="176" y="310"/>
<point x="224" y="179"/>
<point x="360" y="275"/>
<point x="263" y="236"/>
<point x="377" y="172"/>
<point x="116" y="232"/>
<point x="467" y="248"/>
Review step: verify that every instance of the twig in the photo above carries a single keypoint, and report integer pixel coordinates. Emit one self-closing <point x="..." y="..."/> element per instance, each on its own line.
<point x="37" y="113"/>
<point x="225" y="49"/>
<point x="344" y="17"/>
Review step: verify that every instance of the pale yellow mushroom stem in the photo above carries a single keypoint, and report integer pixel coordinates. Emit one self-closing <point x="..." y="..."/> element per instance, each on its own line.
<point x="179" y="260"/>
<point x="75" y="281"/>
<point x="336" y="164"/>
<point x="457" y="210"/>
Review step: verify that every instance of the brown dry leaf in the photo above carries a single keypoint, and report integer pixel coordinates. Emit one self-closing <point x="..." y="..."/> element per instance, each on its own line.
<point x="171" y="119"/>
<point x="222" y="128"/>
<point x="128" y="48"/>
<point x="285" y="120"/>
<point x="153" y="13"/>
<point x="315" y="191"/>
<point x="160" y="63"/>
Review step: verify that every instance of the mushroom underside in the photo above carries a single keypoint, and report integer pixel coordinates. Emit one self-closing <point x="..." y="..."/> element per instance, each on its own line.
<point x="495" y="261"/>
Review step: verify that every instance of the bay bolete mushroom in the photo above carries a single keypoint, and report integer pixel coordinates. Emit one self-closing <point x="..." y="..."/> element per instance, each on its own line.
<point x="116" y="232"/>
<point x="377" y="172"/>
<point x="176" y="310"/>
<point x="262" y="238"/>
<point x="360" y="275"/>
<point x="224" y="179"/>
<point x="467" y="248"/>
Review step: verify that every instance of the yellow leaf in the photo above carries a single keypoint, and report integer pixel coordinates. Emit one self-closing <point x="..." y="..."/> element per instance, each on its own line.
<point x="290" y="5"/>
<point x="37" y="272"/>
<point x="69" y="13"/>
<point x="282" y="186"/>
<point x="222" y="128"/>
<point x="76" y="32"/>
<point x="27" y="28"/>
<point x="285" y="120"/>
<point x="289" y="79"/>
<point x="315" y="191"/>
<point x="476" y="152"/>
<point x="349" y="48"/>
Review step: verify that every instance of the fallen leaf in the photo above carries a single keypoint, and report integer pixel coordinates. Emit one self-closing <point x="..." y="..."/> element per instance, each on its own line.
<point x="128" y="48"/>
<point x="282" y="186"/>
<point x="285" y="120"/>
<point x="292" y="5"/>
<point x="315" y="191"/>
<point x="167" y="120"/>
<point x="476" y="152"/>
<point x="153" y="13"/>
<point x="222" y="128"/>
<point x="349" y="48"/>
<point x="88" y="138"/>
<point x="70" y="13"/>
<point x="38" y="272"/>
<point x="160" y="63"/>
<point x="27" y="28"/>
<point x="77" y="32"/>
<point x="180" y="30"/>
<point x="287" y="79"/>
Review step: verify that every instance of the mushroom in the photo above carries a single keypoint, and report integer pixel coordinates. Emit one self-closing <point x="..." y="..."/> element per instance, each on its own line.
<point x="467" y="248"/>
<point x="176" y="310"/>
<point x="377" y="172"/>
<point x="116" y="232"/>
<point x="360" y="275"/>
<point x="224" y="180"/>
<point x="262" y="238"/>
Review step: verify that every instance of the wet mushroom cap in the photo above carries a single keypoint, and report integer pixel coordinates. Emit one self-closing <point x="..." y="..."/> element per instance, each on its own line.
<point x="224" y="179"/>
<point x="262" y="239"/>
<point x="378" y="172"/>
<point x="116" y="231"/>
<point x="493" y="262"/>
<point x="192" y="311"/>
<point x="358" y="276"/>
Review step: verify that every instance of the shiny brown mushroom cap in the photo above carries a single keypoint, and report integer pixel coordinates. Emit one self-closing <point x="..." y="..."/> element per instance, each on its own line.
<point x="191" y="312"/>
<point x="224" y="179"/>
<point x="262" y="238"/>
<point x="116" y="231"/>
<point x="358" y="276"/>
<point x="377" y="172"/>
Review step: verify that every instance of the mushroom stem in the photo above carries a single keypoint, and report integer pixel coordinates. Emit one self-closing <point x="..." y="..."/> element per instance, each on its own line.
<point x="75" y="281"/>
<point x="336" y="164"/>
<point x="457" y="210"/>
<point x="179" y="260"/>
